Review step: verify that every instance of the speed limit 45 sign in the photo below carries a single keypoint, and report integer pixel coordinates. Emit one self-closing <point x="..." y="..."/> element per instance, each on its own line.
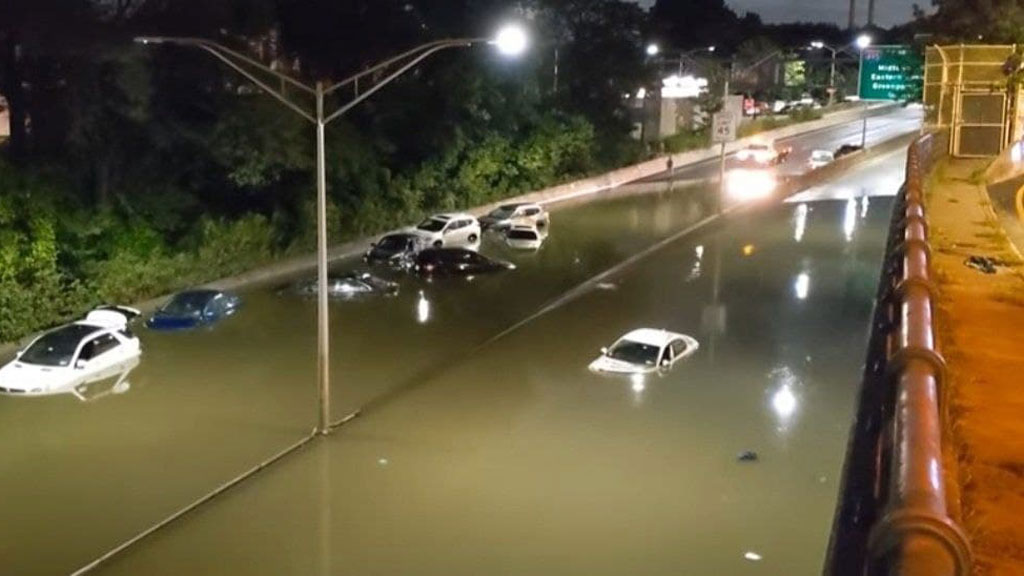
<point x="723" y="127"/>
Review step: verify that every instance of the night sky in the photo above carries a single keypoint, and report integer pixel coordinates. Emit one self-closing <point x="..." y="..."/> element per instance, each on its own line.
<point x="887" y="12"/>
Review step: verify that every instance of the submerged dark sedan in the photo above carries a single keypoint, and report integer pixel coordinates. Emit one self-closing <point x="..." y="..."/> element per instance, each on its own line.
<point x="348" y="286"/>
<point x="457" y="261"/>
<point x="395" y="250"/>
<point x="193" y="309"/>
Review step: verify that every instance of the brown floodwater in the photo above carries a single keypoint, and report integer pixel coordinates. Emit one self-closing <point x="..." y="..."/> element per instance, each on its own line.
<point x="506" y="458"/>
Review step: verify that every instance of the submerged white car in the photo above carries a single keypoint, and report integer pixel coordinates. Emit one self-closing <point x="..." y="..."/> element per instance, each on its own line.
<point x="447" y="230"/>
<point x="506" y="216"/>
<point x="643" y="351"/>
<point x="73" y="355"/>
<point x="525" y="237"/>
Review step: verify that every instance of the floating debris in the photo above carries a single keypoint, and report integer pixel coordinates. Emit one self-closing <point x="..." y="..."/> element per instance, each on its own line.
<point x="607" y="286"/>
<point x="983" y="264"/>
<point x="752" y="556"/>
<point x="747" y="456"/>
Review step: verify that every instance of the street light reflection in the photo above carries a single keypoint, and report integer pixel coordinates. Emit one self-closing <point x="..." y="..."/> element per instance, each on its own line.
<point x="423" y="309"/>
<point x="864" y="206"/>
<point x="801" y="222"/>
<point x="784" y="401"/>
<point x="802" y="285"/>
<point x="850" y="219"/>
<point x="638" y="384"/>
<point x="695" y="270"/>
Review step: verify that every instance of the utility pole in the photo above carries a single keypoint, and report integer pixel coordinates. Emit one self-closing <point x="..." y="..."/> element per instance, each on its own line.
<point x="853" y="15"/>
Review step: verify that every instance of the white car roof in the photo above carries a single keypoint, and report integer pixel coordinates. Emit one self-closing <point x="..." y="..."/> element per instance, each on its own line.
<point x="105" y="319"/>
<point x="453" y="216"/>
<point x="652" y="336"/>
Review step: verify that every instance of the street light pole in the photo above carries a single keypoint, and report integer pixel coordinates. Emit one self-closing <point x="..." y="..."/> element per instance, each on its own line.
<point x="323" y="335"/>
<point x="510" y="41"/>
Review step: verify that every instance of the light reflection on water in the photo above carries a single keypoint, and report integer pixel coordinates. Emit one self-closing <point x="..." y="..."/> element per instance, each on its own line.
<point x="513" y="459"/>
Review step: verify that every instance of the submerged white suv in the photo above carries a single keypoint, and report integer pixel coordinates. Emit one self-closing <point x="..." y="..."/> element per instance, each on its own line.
<point x="447" y="230"/>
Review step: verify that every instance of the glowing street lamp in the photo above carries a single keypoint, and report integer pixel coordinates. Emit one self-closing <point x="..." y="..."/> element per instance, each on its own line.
<point x="863" y="41"/>
<point x="653" y="49"/>
<point x="511" y="40"/>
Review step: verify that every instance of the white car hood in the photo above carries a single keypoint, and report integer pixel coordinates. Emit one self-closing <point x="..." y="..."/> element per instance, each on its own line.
<point x="422" y="233"/>
<point x="25" y="378"/>
<point x="607" y="364"/>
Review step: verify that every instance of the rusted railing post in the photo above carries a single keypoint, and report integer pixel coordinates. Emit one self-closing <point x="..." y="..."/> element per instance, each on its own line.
<point x="915" y="536"/>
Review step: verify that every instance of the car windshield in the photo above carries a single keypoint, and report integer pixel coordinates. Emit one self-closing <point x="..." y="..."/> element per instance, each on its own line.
<point x="187" y="304"/>
<point x="522" y="235"/>
<point x="393" y="243"/>
<point x="503" y="212"/>
<point x="634" y="352"/>
<point x="58" y="347"/>
<point x="432" y="225"/>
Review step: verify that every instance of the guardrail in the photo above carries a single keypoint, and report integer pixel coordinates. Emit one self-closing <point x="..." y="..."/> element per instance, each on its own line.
<point x="891" y="517"/>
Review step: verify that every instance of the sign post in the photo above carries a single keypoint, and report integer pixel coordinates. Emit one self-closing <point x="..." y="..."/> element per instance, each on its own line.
<point x="723" y="130"/>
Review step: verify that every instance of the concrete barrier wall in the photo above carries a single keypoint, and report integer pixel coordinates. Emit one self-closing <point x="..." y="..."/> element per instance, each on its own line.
<point x="616" y="178"/>
<point x="286" y="269"/>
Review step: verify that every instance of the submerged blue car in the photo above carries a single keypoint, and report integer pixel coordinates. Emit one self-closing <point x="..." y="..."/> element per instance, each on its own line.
<point x="194" y="309"/>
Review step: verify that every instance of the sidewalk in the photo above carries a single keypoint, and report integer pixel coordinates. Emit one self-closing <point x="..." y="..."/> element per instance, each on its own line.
<point x="980" y="315"/>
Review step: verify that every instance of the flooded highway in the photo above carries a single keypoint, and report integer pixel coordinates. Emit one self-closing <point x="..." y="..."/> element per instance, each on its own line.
<point x="508" y="458"/>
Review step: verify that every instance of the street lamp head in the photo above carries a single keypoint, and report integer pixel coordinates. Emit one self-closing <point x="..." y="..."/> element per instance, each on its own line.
<point x="817" y="44"/>
<point x="863" y="41"/>
<point x="711" y="48"/>
<point x="653" y="49"/>
<point x="511" y="40"/>
<point x="148" y="40"/>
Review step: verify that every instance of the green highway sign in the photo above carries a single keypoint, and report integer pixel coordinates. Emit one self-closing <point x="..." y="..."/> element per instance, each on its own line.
<point x="890" y="73"/>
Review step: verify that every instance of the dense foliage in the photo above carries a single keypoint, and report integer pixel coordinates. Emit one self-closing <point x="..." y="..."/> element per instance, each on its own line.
<point x="132" y="170"/>
<point x="135" y="170"/>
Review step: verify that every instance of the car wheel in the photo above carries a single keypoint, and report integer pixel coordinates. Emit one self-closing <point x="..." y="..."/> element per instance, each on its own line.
<point x="472" y="238"/>
<point x="437" y="243"/>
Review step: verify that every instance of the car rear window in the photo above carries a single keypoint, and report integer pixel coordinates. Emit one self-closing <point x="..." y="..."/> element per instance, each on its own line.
<point x="522" y="235"/>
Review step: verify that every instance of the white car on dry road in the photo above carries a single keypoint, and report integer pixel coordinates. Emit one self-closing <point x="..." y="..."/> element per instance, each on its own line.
<point x="59" y="361"/>
<point x="643" y="351"/>
<point x="448" y="230"/>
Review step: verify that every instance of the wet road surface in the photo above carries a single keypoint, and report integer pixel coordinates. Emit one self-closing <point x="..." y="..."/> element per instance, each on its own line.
<point x="885" y="126"/>
<point x="510" y="458"/>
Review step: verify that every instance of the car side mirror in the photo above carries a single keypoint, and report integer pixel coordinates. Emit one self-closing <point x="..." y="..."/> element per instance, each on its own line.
<point x="81" y="364"/>
<point x="604" y="350"/>
<point x="19" y="353"/>
<point x="373" y="244"/>
<point x="665" y="363"/>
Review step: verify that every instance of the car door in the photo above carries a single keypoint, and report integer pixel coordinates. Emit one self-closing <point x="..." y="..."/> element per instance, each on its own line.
<point x="451" y="233"/>
<point x="665" y="360"/>
<point x="678" y="349"/>
<point x="465" y="231"/>
<point x="99" y="352"/>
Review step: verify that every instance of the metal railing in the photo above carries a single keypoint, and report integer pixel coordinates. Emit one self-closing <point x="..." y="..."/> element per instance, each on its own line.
<point x="891" y="517"/>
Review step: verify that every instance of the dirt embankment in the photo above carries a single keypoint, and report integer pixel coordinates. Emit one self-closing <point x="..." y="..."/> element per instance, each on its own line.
<point x="980" y="310"/>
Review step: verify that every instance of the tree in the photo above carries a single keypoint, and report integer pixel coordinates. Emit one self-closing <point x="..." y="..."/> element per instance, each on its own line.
<point x="973" y="21"/>
<point x="686" y="24"/>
